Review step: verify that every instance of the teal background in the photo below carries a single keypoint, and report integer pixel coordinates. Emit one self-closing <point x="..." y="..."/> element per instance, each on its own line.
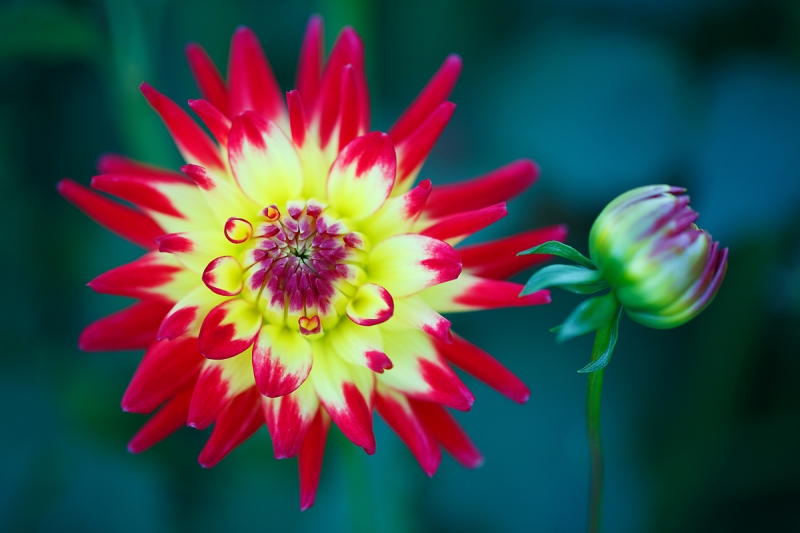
<point x="701" y="424"/>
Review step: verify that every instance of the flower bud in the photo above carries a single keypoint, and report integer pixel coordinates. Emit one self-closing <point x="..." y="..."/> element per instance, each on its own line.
<point x="662" y="268"/>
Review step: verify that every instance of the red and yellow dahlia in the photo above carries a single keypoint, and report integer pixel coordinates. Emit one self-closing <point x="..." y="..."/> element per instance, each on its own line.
<point x="294" y="274"/>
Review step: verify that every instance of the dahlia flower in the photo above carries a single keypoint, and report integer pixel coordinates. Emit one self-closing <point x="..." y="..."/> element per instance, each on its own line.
<point x="294" y="273"/>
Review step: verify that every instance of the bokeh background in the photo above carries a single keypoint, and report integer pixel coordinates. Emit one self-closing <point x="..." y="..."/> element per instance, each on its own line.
<point x="701" y="424"/>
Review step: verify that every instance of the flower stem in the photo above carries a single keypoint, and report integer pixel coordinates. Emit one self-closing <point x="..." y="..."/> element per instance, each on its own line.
<point x="595" y="387"/>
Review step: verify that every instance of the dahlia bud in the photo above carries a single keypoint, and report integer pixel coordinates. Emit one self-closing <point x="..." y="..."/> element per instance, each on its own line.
<point x="659" y="266"/>
<point x="662" y="268"/>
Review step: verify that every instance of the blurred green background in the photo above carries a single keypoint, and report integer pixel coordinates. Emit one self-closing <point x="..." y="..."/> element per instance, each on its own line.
<point x="701" y="424"/>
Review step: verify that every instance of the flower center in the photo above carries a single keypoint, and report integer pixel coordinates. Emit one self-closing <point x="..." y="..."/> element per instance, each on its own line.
<point x="300" y="267"/>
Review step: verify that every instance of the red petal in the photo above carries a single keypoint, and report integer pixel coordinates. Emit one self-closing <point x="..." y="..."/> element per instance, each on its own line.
<point x="491" y="294"/>
<point x="414" y="149"/>
<point x="349" y="108"/>
<point x="297" y="117"/>
<point x="166" y="421"/>
<point x="435" y="92"/>
<point x="193" y="143"/>
<point x="459" y="226"/>
<point x="309" y="462"/>
<point x="446" y="430"/>
<point x="140" y="191"/>
<point x="229" y="329"/>
<point x="235" y="424"/>
<point x="138" y="279"/>
<point x="252" y="85"/>
<point x="119" y="164"/>
<point x="402" y="419"/>
<point x="209" y="398"/>
<point x="484" y="367"/>
<point x="133" y="328"/>
<point x="498" y="259"/>
<point x="309" y="67"/>
<point x="207" y="77"/>
<point x="117" y="218"/>
<point x="217" y="123"/>
<point x="289" y="419"/>
<point x="496" y="186"/>
<point x="166" y="367"/>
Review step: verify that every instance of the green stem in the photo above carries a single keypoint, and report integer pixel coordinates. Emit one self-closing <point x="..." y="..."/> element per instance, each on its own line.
<point x="601" y="345"/>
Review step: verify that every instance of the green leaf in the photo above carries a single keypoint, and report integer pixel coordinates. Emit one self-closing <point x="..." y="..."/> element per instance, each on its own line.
<point x="568" y="277"/>
<point x="561" y="250"/>
<point x="590" y="315"/>
<point x="604" y="344"/>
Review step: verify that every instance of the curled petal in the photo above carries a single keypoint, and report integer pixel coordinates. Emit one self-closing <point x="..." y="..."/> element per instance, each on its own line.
<point x="223" y="276"/>
<point x="371" y="305"/>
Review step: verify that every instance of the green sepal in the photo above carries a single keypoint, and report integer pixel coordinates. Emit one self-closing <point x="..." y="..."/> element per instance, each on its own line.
<point x="590" y="315"/>
<point x="605" y="342"/>
<point x="568" y="277"/>
<point x="561" y="250"/>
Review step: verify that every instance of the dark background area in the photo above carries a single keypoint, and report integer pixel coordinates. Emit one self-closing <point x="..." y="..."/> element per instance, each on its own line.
<point x="701" y="423"/>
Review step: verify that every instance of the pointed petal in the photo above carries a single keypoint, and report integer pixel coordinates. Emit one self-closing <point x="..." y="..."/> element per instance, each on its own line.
<point x="309" y="463"/>
<point x="435" y="92"/>
<point x="309" y="67"/>
<point x="170" y="418"/>
<point x="348" y="49"/>
<point x="470" y="293"/>
<point x="395" y="409"/>
<point x="359" y="345"/>
<point x="236" y="423"/>
<point x="413" y="312"/>
<point x="458" y="226"/>
<point x="420" y="372"/>
<point x="165" y="368"/>
<point x="289" y="418"/>
<point x="153" y="276"/>
<point x="119" y="164"/>
<point x="297" y="118"/>
<point x="222" y="194"/>
<point x="446" y="430"/>
<point x="498" y="259"/>
<point x="252" y="85"/>
<point x="117" y="218"/>
<point x="219" y="382"/>
<point x="362" y="176"/>
<point x="413" y="150"/>
<point x="187" y="315"/>
<point x="224" y="276"/>
<point x="346" y="392"/>
<point x="484" y="367"/>
<point x="349" y="121"/>
<point x="133" y="328"/>
<point x="215" y="120"/>
<point x="497" y="186"/>
<point x="264" y="161"/>
<point x="371" y="305"/>
<point x="281" y="360"/>
<point x="229" y="329"/>
<point x="192" y="142"/>
<point x="406" y="264"/>
<point x="207" y="77"/>
<point x="173" y="196"/>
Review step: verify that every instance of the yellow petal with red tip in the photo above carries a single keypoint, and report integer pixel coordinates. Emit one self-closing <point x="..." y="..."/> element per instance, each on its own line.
<point x="406" y="264"/>
<point x="359" y="345"/>
<point x="415" y="313"/>
<point x="264" y="161"/>
<point x="223" y="276"/>
<point x="371" y="305"/>
<point x="188" y="314"/>
<point x="196" y="249"/>
<point x="362" y="176"/>
<point x="420" y="372"/>
<point x="471" y="293"/>
<point x="229" y="329"/>
<point x="289" y="417"/>
<point x="281" y="360"/>
<point x="346" y="392"/>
